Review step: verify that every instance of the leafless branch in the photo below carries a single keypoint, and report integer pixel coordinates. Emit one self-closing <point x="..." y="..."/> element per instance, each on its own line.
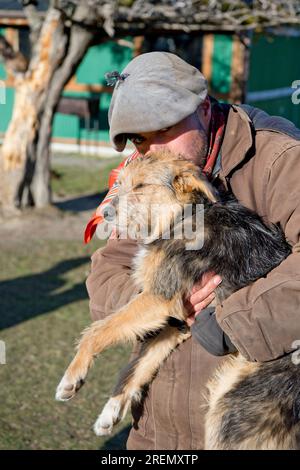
<point x="193" y="15"/>
<point x="34" y="18"/>
<point x="14" y="61"/>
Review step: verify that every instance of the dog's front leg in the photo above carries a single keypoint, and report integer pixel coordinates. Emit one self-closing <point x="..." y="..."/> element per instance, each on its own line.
<point x="144" y="313"/>
<point x="136" y="375"/>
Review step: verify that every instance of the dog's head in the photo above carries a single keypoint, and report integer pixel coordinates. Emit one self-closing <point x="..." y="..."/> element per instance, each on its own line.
<point x="154" y="190"/>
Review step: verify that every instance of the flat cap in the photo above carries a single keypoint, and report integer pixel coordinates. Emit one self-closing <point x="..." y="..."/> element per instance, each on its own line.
<point x="155" y="90"/>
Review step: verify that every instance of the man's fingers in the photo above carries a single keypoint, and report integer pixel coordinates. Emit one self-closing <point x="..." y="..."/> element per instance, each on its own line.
<point x="204" y="280"/>
<point x="199" y="307"/>
<point x="202" y="295"/>
<point x="190" y="320"/>
<point x="203" y="292"/>
<point x="204" y="303"/>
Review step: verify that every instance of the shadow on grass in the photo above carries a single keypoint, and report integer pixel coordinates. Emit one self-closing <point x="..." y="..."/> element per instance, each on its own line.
<point x="82" y="203"/>
<point x="29" y="296"/>
<point x="118" y="441"/>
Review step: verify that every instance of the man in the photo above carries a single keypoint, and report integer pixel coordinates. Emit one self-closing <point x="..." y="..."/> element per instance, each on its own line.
<point x="160" y="101"/>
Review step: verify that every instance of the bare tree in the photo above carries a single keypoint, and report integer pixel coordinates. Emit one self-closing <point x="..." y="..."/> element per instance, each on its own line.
<point x="59" y="41"/>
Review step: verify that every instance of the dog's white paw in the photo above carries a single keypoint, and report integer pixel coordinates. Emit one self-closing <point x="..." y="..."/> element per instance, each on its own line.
<point x="67" y="388"/>
<point x="111" y="414"/>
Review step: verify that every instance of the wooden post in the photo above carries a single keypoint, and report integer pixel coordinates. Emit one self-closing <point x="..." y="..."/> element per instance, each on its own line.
<point x="240" y="68"/>
<point x="207" y="53"/>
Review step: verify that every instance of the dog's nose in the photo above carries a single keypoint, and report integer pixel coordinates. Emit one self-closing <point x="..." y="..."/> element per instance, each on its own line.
<point x="109" y="212"/>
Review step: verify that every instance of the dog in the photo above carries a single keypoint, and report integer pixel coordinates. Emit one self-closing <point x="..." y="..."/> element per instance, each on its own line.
<point x="250" y="405"/>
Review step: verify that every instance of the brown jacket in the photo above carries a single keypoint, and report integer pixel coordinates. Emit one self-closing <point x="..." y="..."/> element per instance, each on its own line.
<point x="260" y="164"/>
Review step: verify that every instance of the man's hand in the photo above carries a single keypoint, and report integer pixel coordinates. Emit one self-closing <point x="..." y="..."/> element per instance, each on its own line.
<point x="202" y="295"/>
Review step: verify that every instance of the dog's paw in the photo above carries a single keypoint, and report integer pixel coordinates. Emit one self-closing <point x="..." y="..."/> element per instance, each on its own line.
<point x="67" y="388"/>
<point x="111" y="414"/>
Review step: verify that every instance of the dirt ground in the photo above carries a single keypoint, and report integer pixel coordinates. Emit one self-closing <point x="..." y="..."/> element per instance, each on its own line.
<point x="67" y="218"/>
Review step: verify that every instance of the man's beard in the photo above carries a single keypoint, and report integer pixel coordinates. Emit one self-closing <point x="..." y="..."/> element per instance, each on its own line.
<point x="201" y="144"/>
<point x="199" y="149"/>
<point x="202" y="157"/>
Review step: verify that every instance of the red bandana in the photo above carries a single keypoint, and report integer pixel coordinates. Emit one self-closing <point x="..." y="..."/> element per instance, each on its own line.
<point x="217" y="128"/>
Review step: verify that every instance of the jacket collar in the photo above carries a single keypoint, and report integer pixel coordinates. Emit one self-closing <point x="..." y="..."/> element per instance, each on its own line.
<point x="237" y="141"/>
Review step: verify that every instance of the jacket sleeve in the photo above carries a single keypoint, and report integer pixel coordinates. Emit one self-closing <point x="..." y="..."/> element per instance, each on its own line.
<point x="210" y="335"/>
<point x="109" y="284"/>
<point x="263" y="319"/>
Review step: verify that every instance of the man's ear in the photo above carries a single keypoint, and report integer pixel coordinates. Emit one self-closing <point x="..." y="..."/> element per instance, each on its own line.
<point x="187" y="182"/>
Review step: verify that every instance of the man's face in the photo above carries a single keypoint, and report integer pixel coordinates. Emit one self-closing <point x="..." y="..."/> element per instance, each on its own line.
<point x="189" y="137"/>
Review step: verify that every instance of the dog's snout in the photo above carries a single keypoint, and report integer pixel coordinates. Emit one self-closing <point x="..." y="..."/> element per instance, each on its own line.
<point x="109" y="212"/>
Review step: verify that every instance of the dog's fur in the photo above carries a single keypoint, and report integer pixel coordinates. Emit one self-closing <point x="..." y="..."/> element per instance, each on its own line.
<point x="250" y="405"/>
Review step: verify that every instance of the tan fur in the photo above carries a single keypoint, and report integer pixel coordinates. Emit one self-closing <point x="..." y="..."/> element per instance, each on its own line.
<point x="225" y="378"/>
<point x="234" y="370"/>
<point x="145" y="264"/>
<point x="186" y="183"/>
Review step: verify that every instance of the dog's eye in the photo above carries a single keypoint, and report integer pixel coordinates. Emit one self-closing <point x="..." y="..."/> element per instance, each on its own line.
<point x="139" y="186"/>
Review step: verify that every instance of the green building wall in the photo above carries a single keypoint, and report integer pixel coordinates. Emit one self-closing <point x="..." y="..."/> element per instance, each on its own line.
<point x="274" y="64"/>
<point x="98" y="60"/>
<point x="221" y="64"/>
<point x="5" y="108"/>
<point x="273" y="67"/>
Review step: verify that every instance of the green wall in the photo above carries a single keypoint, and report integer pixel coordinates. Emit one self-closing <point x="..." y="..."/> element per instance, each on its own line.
<point x="221" y="64"/>
<point x="274" y="63"/>
<point x="98" y="60"/>
<point x="2" y="69"/>
<point x="5" y="109"/>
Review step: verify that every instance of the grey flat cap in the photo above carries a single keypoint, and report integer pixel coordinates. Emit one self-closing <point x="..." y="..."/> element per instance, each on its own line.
<point x="155" y="90"/>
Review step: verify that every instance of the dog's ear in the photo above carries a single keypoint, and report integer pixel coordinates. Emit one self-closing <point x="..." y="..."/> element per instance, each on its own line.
<point x="187" y="182"/>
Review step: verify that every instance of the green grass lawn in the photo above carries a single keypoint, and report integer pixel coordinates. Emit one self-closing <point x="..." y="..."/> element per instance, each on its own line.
<point x="44" y="307"/>
<point x="68" y="180"/>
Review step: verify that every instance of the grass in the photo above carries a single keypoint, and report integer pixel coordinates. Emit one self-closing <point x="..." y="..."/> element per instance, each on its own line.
<point x="68" y="180"/>
<point x="44" y="307"/>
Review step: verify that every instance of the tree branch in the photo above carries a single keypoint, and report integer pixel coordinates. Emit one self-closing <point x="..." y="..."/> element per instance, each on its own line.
<point x="35" y="20"/>
<point x="14" y="61"/>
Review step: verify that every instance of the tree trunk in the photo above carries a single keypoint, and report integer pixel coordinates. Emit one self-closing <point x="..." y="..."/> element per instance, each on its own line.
<point x="80" y="39"/>
<point x="25" y="154"/>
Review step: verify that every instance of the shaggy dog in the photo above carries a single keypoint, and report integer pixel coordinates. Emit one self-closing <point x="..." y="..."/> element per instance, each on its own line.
<point x="250" y="405"/>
